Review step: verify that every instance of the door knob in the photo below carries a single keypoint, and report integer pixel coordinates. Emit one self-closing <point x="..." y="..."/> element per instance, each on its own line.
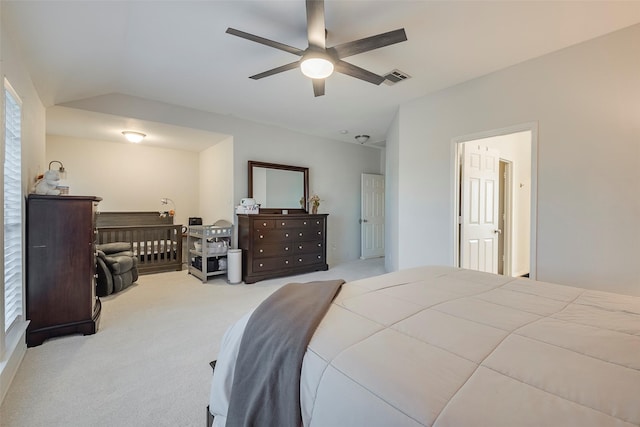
<point x="362" y="220"/>
<point x="497" y="231"/>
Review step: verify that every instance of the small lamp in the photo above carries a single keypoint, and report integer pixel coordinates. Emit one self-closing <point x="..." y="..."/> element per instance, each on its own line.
<point x="61" y="169"/>
<point x="132" y="136"/>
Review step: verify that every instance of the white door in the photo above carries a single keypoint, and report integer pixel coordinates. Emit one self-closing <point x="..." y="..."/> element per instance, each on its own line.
<point x="372" y="216"/>
<point x="479" y="208"/>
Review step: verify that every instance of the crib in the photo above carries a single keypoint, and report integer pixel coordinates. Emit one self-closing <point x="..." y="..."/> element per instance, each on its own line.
<point x="154" y="239"/>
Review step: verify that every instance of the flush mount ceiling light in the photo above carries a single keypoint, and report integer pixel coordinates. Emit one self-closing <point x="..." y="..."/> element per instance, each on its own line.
<point x="315" y="65"/>
<point x="362" y="138"/>
<point x="132" y="136"/>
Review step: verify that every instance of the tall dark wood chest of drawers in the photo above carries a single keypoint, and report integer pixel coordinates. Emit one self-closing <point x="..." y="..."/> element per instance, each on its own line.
<point x="276" y="245"/>
<point x="61" y="267"/>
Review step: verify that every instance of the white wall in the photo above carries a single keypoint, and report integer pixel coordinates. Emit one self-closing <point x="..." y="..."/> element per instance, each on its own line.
<point x="334" y="167"/>
<point x="13" y="347"/>
<point x="585" y="100"/>
<point x="216" y="183"/>
<point x="129" y="177"/>
<point x="391" y="203"/>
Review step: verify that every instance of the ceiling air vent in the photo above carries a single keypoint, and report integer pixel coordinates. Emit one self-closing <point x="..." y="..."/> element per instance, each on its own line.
<point x="395" y="76"/>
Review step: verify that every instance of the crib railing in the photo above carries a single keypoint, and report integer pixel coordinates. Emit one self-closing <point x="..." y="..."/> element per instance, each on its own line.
<point x="158" y="247"/>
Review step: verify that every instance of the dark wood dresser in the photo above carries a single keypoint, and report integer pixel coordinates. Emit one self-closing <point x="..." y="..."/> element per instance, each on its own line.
<point x="61" y="267"/>
<point x="275" y="245"/>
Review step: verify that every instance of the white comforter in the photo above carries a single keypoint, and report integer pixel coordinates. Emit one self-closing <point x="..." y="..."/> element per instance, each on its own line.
<point x="448" y="347"/>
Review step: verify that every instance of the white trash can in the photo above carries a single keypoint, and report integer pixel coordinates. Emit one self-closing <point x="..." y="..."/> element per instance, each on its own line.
<point x="234" y="266"/>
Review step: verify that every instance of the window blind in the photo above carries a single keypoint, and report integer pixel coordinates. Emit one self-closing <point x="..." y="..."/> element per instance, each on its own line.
<point x="12" y="209"/>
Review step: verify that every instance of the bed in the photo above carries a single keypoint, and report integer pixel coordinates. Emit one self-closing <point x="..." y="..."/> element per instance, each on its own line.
<point x="154" y="239"/>
<point x="441" y="346"/>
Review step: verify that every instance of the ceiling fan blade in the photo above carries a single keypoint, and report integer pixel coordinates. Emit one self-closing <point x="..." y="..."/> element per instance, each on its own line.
<point x="276" y="70"/>
<point x="315" y="23"/>
<point x="264" y="41"/>
<point x="369" y="43"/>
<point x="357" y="72"/>
<point x="318" y="87"/>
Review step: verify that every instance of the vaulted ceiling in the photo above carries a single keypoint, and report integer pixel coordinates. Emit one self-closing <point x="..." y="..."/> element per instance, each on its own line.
<point x="177" y="52"/>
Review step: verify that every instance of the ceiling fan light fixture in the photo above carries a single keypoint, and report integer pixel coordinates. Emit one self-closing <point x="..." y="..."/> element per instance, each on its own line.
<point x="132" y="136"/>
<point x="316" y="67"/>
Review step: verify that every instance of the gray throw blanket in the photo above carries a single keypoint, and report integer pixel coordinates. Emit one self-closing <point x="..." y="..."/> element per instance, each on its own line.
<point x="266" y="381"/>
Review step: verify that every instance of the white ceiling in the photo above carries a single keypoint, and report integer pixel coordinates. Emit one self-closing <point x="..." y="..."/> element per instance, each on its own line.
<point x="177" y="52"/>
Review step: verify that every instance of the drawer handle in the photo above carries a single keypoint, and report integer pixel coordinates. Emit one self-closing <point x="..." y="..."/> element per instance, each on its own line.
<point x="300" y="234"/>
<point x="299" y="259"/>
<point x="261" y="236"/>
<point x="319" y="245"/>
<point x="261" y="250"/>
<point x="300" y="247"/>
<point x="261" y="265"/>
<point x="319" y="256"/>
<point x="286" y="235"/>
<point x="286" y="248"/>
<point x="283" y="223"/>
<point x="264" y="224"/>
<point x="305" y="222"/>
<point x="318" y="222"/>
<point x="286" y="262"/>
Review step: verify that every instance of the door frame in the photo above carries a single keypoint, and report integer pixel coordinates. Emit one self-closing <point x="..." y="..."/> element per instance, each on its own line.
<point x="456" y="151"/>
<point x="506" y="189"/>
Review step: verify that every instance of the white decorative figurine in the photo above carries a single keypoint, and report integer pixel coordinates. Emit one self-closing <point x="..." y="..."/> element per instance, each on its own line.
<point x="48" y="184"/>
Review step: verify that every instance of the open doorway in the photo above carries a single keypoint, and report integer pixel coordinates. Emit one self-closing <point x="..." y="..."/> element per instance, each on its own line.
<point x="494" y="193"/>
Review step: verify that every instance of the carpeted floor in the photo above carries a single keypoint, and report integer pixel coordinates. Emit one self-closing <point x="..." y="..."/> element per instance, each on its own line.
<point x="148" y="365"/>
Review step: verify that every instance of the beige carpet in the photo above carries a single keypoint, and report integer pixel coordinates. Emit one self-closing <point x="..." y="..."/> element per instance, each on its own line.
<point x="148" y="365"/>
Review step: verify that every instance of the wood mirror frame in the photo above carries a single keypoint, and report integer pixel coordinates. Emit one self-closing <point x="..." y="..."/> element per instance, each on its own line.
<point x="304" y="177"/>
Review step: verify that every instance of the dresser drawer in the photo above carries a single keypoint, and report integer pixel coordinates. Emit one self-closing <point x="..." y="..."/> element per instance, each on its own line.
<point x="306" y="259"/>
<point x="297" y="223"/>
<point x="272" y="236"/>
<point x="308" y="247"/>
<point x="266" y="264"/>
<point x="277" y="263"/>
<point x="268" y="250"/>
<point x="312" y="233"/>
<point x="303" y="234"/>
<point x="262" y="224"/>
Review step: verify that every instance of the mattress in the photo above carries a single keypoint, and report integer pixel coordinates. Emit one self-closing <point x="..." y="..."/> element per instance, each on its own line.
<point x="441" y="346"/>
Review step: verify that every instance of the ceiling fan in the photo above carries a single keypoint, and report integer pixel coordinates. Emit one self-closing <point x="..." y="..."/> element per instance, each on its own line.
<point x="318" y="61"/>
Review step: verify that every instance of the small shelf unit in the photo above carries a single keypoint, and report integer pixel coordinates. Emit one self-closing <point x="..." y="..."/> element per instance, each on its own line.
<point x="208" y="246"/>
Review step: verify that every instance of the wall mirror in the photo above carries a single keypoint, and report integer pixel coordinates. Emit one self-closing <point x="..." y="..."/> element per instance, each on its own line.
<point x="276" y="187"/>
